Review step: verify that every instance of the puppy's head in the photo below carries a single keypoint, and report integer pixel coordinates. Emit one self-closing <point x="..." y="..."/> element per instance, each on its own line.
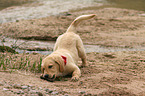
<point x="51" y="67"/>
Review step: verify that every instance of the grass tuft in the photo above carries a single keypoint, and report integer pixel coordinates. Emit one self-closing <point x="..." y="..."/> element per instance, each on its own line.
<point x="24" y="62"/>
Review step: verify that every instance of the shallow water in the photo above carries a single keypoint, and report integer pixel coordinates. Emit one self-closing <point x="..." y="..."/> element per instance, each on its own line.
<point x="23" y="45"/>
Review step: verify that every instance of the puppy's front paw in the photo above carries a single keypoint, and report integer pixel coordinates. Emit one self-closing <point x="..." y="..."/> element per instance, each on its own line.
<point x="75" y="78"/>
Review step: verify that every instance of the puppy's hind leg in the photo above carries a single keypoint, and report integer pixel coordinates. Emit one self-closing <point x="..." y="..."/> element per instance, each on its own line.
<point x="81" y="52"/>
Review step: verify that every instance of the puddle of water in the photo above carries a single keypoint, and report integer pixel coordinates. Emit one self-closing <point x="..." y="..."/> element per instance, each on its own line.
<point x="88" y="49"/>
<point x="99" y="49"/>
<point x="23" y="45"/>
<point x="50" y="44"/>
<point x="40" y="52"/>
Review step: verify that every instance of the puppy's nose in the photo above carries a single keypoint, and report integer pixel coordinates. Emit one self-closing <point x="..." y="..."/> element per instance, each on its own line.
<point x="46" y="75"/>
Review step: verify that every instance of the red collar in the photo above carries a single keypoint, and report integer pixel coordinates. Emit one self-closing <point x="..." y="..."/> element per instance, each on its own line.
<point x="64" y="58"/>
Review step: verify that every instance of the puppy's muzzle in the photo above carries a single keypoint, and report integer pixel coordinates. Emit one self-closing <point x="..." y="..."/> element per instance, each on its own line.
<point x="46" y="77"/>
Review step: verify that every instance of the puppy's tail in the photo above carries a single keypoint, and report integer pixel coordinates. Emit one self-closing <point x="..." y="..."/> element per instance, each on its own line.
<point x="72" y="27"/>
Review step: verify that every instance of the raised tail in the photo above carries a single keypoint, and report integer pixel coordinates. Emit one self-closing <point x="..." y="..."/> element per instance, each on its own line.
<point x="72" y="27"/>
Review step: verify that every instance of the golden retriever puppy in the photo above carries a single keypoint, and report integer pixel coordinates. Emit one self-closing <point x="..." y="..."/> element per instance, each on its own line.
<point x="68" y="48"/>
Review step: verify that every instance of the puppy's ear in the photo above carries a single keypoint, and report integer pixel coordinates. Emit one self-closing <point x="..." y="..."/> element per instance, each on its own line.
<point x="60" y="62"/>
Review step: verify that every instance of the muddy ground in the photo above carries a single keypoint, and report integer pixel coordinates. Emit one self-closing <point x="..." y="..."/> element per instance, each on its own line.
<point x="107" y="74"/>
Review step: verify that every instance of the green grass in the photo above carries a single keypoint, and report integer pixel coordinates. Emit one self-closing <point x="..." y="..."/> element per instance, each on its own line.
<point x="8" y="49"/>
<point x="9" y="64"/>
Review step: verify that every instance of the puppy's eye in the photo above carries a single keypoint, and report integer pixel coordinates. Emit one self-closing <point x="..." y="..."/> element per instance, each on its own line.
<point x="50" y="66"/>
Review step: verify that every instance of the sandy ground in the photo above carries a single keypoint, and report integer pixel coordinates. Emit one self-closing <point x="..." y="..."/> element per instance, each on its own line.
<point x="107" y="74"/>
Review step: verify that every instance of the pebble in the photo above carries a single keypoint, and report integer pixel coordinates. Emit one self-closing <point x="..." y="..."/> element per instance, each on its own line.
<point x="66" y="95"/>
<point x="17" y="86"/>
<point x="46" y="90"/>
<point x="24" y="87"/>
<point x="29" y="88"/>
<point x="40" y="94"/>
<point x="1" y="84"/>
<point x="20" y="92"/>
<point x="82" y="92"/>
<point x="49" y="91"/>
<point x="54" y="93"/>
<point x="5" y="89"/>
<point x="142" y="15"/>
<point x="26" y="90"/>
<point x="8" y="86"/>
<point x="40" y="88"/>
<point x="87" y="94"/>
<point x="33" y="91"/>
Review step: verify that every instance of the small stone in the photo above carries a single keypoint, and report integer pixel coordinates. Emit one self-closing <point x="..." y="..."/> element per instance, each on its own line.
<point x="54" y="93"/>
<point x="142" y="15"/>
<point x="14" y="90"/>
<point x="66" y="95"/>
<point x="29" y="88"/>
<point x="46" y="90"/>
<point x="17" y="86"/>
<point x="87" y="94"/>
<point x="17" y="91"/>
<point x="24" y="87"/>
<point x="1" y="84"/>
<point x="5" y="89"/>
<point x="8" y="86"/>
<point x="84" y="86"/>
<point x="33" y="95"/>
<point x="49" y="91"/>
<point x="20" y="92"/>
<point x="33" y="91"/>
<point x="40" y="88"/>
<point x="81" y="83"/>
<point x="26" y="90"/>
<point x="82" y="92"/>
<point x="40" y="94"/>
